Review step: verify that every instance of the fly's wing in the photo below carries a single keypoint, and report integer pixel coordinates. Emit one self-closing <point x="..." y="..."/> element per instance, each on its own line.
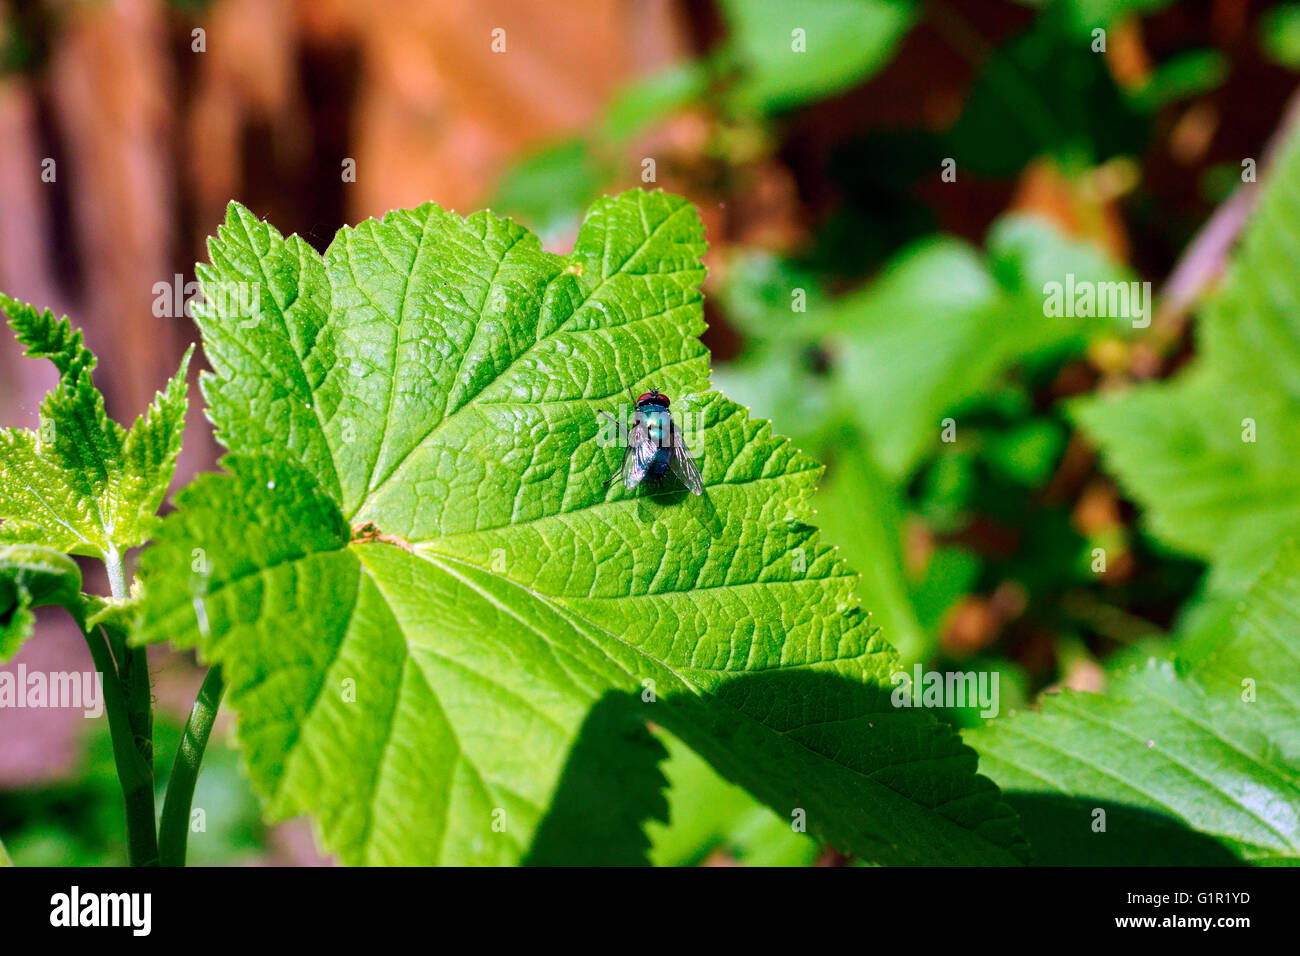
<point x="622" y="465"/>
<point x="635" y="461"/>
<point x="683" y="465"/>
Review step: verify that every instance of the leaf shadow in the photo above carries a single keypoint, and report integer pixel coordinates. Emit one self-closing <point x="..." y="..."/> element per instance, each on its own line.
<point x="671" y="494"/>
<point x="1060" y="828"/>
<point x="611" y="786"/>
<point x="871" y="738"/>
<point x="762" y="730"/>
<point x="814" y="746"/>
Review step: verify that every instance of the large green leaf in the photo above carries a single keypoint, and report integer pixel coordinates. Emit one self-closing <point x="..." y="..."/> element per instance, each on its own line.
<point x="419" y="586"/>
<point x="82" y="483"/>
<point x="1194" y="760"/>
<point x="1210" y="455"/>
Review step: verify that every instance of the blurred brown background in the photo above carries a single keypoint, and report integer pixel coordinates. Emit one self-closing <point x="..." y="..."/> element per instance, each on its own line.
<point x="151" y="138"/>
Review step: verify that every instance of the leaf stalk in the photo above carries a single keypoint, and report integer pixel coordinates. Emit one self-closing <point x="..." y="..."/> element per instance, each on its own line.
<point x="173" y="833"/>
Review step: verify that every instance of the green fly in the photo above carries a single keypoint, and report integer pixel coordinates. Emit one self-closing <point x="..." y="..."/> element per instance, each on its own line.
<point x="655" y="447"/>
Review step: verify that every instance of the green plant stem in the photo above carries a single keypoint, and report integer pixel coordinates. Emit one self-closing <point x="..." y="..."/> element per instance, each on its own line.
<point x="132" y="756"/>
<point x="174" y="832"/>
<point x="116" y="575"/>
<point x="128" y="699"/>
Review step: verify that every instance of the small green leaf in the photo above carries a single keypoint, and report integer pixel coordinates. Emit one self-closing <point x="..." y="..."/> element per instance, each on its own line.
<point x="32" y="576"/>
<point x="50" y="338"/>
<point x="81" y="483"/>
<point x="117" y="615"/>
<point x="1279" y="34"/>
<point x="551" y="186"/>
<point x="792" y="53"/>
<point x="1189" y="74"/>
<point x="4" y="857"/>
<point x="1084" y="16"/>
<point x="419" y="584"/>
<point x="648" y="101"/>
<point x="1193" y="761"/>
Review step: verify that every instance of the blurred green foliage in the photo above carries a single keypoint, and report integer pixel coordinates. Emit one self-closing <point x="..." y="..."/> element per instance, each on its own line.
<point x="78" y="821"/>
<point x="1280" y="34"/>
<point x="769" y="40"/>
<point x="718" y="821"/>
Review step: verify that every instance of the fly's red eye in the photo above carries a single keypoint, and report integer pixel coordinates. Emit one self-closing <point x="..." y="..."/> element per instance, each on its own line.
<point x="654" y="398"/>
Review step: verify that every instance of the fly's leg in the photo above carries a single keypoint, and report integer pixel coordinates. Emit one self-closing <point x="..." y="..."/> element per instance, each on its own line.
<point x="622" y="468"/>
<point x="610" y="480"/>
